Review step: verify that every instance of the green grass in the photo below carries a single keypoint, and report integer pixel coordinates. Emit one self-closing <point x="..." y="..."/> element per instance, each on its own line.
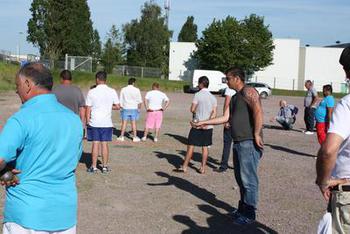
<point x="86" y="80"/>
<point x="300" y="93"/>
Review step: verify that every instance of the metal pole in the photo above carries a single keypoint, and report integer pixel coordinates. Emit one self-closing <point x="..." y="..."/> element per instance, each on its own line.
<point x="66" y="62"/>
<point x="141" y="72"/>
<point x="293" y="83"/>
<point x="274" y="82"/>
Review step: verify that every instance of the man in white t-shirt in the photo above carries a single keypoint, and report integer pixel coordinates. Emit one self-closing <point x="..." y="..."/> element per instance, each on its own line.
<point x="130" y="103"/>
<point x="333" y="161"/>
<point x="100" y="101"/>
<point x="227" y="148"/>
<point x="156" y="102"/>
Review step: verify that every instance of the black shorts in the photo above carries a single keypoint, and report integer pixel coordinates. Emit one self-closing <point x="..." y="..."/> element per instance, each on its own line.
<point x="200" y="137"/>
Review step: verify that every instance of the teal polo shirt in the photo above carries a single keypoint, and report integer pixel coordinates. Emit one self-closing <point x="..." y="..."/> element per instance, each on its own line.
<point x="44" y="141"/>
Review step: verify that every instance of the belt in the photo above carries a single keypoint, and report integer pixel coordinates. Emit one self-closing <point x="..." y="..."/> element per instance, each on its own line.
<point x="154" y="110"/>
<point x="344" y="188"/>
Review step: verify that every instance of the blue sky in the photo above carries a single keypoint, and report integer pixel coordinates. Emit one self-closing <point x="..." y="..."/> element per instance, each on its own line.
<point x="314" y="22"/>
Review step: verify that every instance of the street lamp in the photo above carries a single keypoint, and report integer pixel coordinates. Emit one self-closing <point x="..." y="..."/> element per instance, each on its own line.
<point x="19" y="46"/>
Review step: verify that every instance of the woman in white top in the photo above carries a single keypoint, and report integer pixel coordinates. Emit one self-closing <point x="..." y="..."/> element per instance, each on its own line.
<point x="155" y="103"/>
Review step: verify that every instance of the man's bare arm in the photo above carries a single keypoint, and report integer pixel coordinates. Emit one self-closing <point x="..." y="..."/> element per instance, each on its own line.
<point x="88" y="113"/>
<point x="82" y="114"/>
<point x="193" y="108"/>
<point x="327" y="157"/>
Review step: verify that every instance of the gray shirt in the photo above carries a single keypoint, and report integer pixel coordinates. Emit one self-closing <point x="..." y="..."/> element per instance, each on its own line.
<point x="309" y="97"/>
<point x="70" y="96"/>
<point x="206" y="102"/>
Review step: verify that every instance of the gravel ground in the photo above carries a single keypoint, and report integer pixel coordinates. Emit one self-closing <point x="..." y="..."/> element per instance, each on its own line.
<point x="143" y="195"/>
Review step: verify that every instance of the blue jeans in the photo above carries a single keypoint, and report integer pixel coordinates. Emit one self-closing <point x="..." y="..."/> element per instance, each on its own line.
<point x="309" y="118"/>
<point x="286" y="123"/>
<point x="227" y="148"/>
<point x="246" y="161"/>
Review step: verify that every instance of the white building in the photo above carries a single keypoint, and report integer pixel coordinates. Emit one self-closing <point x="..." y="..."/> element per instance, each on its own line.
<point x="291" y="65"/>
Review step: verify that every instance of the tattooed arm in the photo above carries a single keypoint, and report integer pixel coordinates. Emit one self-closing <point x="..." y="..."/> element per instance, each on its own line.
<point x="252" y="98"/>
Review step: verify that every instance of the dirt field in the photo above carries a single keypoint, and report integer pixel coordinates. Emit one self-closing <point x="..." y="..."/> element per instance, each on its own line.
<point x="143" y="195"/>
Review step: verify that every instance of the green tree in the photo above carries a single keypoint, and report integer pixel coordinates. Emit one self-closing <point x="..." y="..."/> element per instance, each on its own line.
<point x="147" y="40"/>
<point x="247" y="44"/>
<point x="96" y="49"/>
<point x="188" y="31"/>
<point x="60" y="27"/>
<point x="112" y="50"/>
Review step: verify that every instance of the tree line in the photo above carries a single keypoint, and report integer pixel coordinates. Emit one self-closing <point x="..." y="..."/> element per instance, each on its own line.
<point x="64" y="27"/>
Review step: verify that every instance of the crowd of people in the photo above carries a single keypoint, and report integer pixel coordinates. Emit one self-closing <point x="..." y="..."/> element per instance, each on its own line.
<point x="41" y="144"/>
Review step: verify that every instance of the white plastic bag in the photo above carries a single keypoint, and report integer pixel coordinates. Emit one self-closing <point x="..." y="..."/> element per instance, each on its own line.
<point x="325" y="225"/>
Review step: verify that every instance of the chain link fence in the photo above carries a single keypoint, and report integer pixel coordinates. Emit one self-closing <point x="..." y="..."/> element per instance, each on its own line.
<point x="143" y="72"/>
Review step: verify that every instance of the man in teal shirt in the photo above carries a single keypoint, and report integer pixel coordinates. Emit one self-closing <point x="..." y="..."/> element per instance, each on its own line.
<point x="43" y="141"/>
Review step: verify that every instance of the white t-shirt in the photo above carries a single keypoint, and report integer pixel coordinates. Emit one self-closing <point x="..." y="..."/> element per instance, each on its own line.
<point x="156" y="99"/>
<point x="340" y="125"/>
<point x="130" y="97"/>
<point x="206" y="103"/>
<point x="229" y="92"/>
<point x="101" y="100"/>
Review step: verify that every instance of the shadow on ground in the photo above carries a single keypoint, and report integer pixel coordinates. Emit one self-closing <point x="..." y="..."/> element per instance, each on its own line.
<point x="176" y="160"/>
<point x="86" y="159"/>
<point x="290" y="151"/>
<point x="179" y="138"/>
<point x="217" y="221"/>
<point x="275" y="127"/>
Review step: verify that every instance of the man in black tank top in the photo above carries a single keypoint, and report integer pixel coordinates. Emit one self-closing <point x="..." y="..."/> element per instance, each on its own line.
<point x="246" y="119"/>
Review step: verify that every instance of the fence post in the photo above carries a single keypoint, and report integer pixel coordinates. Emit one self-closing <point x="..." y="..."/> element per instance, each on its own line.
<point x="141" y="72"/>
<point x="66" y="62"/>
<point x="256" y="78"/>
<point x="274" y="82"/>
<point x="293" y="83"/>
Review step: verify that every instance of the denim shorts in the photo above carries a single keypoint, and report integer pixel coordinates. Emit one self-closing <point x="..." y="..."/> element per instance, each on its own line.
<point x="99" y="134"/>
<point x="129" y="114"/>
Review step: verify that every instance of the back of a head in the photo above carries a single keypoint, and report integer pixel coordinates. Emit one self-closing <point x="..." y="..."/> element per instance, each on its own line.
<point x="235" y="71"/>
<point x="328" y="88"/>
<point x="204" y="81"/>
<point x="131" y="81"/>
<point x="38" y="73"/>
<point x="155" y="85"/>
<point x="66" y="75"/>
<point x="101" y="76"/>
<point x="344" y="59"/>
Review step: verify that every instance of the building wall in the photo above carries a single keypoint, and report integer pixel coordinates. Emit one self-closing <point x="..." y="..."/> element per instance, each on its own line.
<point x="322" y="67"/>
<point x="180" y="64"/>
<point x="284" y="71"/>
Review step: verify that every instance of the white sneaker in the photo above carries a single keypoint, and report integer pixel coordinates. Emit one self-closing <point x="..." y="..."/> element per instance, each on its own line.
<point x="155" y="139"/>
<point x="143" y="138"/>
<point x="120" y="138"/>
<point x="136" y="139"/>
<point x="309" y="133"/>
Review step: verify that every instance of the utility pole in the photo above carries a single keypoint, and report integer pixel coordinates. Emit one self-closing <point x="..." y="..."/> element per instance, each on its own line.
<point x="167" y="11"/>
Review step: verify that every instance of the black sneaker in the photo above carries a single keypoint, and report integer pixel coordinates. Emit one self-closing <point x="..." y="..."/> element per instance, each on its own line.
<point x="220" y="169"/>
<point x="92" y="170"/>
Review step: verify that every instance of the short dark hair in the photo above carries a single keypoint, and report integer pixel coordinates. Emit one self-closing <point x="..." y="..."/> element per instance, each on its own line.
<point x="131" y="81"/>
<point x="38" y="73"/>
<point x="328" y="87"/>
<point x="204" y="81"/>
<point x="344" y="59"/>
<point x="155" y="85"/>
<point x="66" y="75"/>
<point x="235" y="71"/>
<point x="101" y="75"/>
<point x="308" y="82"/>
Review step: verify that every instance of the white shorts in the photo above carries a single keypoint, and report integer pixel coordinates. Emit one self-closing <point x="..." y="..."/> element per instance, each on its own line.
<point x="14" y="228"/>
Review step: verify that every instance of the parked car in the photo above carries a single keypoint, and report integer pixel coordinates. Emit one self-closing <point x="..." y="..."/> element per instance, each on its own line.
<point x="263" y="89"/>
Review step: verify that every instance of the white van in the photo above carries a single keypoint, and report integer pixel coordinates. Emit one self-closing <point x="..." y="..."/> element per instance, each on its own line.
<point x="217" y="80"/>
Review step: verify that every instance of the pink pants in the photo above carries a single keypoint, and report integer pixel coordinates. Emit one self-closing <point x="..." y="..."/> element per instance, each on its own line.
<point x="154" y="119"/>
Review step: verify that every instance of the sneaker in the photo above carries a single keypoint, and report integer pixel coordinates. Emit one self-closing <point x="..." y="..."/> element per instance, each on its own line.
<point x="121" y="138"/>
<point x="105" y="169"/>
<point x="155" y="139"/>
<point x="309" y="133"/>
<point x="234" y="214"/>
<point x="92" y="170"/>
<point x="136" y="139"/>
<point x="220" y="169"/>
<point x="143" y="138"/>
<point x="242" y="220"/>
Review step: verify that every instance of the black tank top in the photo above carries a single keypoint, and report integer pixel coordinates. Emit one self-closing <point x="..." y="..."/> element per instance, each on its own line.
<point x="241" y="118"/>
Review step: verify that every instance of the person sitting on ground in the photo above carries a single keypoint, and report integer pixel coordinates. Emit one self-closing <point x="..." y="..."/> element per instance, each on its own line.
<point x="286" y="116"/>
<point x="323" y="113"/>
<point x="156" y="102"/>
